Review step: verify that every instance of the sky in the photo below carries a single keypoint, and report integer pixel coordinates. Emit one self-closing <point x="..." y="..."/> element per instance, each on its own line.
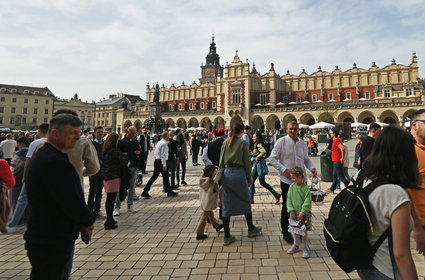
<point x="100" y="47"/>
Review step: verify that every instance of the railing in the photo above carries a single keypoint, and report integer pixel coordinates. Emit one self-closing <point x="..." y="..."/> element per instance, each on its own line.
<point x="340" y="105"/>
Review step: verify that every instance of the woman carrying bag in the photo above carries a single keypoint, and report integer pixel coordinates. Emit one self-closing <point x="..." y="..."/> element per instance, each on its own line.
<point x="260" y="169"/>
<point x="235" y="160"/>
<point x="113" y="165"/>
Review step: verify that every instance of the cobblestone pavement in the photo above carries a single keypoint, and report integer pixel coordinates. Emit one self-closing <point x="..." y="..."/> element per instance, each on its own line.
<point x="159" y="243"/>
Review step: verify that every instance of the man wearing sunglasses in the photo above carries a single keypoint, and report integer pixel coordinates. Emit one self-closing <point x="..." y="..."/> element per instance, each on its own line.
<point x="288" y="152"/>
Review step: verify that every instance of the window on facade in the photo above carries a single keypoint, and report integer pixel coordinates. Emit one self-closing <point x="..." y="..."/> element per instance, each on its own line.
<point x="35" y="111"/>
<point x="262" y="99"/>
<point x="331" y="96"/>
<point x="180" y="107"/>
<point x="298" y="99"/>
<point x="202" y="105"/>
<point x="13" y="110"/>
<point x="47" y="101"/>
<point x="387" y="93"/>
<point x="34" y="120"/>
<point x="285" y="99"/>
<point x="213" y="105"/>
<point x="1" y="109"/>
<point x="103" y="122"/>
<point x="12" y="120"/>
<point x="46" y="111"/>
<point x="26" y="91"/>
<point x="2" y="99"/>
<point x="1" y="120"/>
<point x="190" y="106"/>
<point x="25" y="100"/>
<point x="348" y="95"/>
<point x="408" y="91"/>
<point x="236" y="96"/>
<point x="170" y="107"/>
<point x="24" y="110"/>
<point x="46" y="120"/>
<point x="314" y="97"/>
<point x="36" y="101"/>
<point x="103" y="115"/>
<point x="14" y="99"/>
<point x="367" y="95"/>
<point x="24" y="120"/>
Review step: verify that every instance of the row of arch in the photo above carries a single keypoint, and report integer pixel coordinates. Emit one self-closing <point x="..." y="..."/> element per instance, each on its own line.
<point x="274" y="122"/>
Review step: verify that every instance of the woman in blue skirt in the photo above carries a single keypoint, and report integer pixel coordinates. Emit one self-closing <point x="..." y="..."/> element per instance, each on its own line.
<point x="235" y="160"/>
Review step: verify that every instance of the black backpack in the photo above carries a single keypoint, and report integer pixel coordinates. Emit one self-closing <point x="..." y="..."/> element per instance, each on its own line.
<point x="268" y="149"/>
<point x="347" y="227"/>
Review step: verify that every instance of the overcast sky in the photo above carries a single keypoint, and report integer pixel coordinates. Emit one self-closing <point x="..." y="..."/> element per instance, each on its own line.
<point x="100" y="47"/>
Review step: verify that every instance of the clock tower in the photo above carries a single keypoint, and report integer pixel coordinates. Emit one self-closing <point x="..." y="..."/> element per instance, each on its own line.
<point x="212" y="69"/>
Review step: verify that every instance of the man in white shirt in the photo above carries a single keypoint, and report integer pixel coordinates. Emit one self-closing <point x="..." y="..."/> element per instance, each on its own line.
<point x="8" y="146"/>
<point x="160" y="166"/>
<point x="289" y="151"/>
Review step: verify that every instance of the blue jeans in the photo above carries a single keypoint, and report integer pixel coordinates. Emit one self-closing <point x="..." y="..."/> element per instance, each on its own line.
<point x="130" y="196"/>
<point x="262" y="182"/>
<point x="338" y="174"/>
<point x="374" y="274"/>
<point x="21" y="206"/>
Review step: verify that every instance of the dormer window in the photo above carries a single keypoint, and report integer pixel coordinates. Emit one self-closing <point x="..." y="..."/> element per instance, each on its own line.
<point x="314" y="98"/>
<point x="213" y="105"/>
<point x="190" y="106"/>
<point x="14" y="90"/>
<point x="202" y="105"/>
<point x="26" y="91"/>
<point x="36" y="92"/>
<point x="387" y="93"/>
<point x="331" y="96"/>
<point x="285" y="99"/>
<point x="408" y="91"/>
<point x="263" y="99"/>
<point x="348" y="96"/>
<point x="2" y="90"/>
<point x="298" y="99"/>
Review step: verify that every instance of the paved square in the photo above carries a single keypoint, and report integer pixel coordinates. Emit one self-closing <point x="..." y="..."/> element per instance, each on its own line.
<point x="159" y="243"/>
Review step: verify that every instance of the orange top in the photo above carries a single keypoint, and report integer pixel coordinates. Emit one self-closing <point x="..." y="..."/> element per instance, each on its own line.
<point x="418" y="196"/>
<point x="310" y="142"/>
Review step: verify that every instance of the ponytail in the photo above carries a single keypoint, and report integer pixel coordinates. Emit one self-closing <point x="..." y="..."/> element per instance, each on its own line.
<point x="237" y="129"/>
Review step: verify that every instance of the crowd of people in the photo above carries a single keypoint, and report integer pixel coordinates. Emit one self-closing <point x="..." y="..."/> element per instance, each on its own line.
<point x="44" y="177"/>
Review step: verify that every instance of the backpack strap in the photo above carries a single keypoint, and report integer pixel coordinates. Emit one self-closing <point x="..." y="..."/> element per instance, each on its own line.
<point x="380" y="240"/>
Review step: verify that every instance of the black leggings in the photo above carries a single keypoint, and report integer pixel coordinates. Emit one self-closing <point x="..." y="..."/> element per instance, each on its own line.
<point x="182" y="162"/>
<point x="109" y="206"/>
<point x="226" y="224"/>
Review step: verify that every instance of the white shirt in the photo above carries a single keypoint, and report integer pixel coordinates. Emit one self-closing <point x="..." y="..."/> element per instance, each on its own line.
<point x="8" y="147"/>
<point x="161" y="151"/>
<point x="205" y="157"/>
<point x="34" y="145"/>
<point x="383" y="201"/>
<point x="245" y="137"/>
<point x="287" y="154"/>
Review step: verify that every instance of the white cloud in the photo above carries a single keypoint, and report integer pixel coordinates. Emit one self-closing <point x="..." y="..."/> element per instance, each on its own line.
<point x="98" y="47"/>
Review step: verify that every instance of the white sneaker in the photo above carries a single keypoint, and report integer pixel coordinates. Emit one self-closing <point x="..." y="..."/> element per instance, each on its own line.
<point x="293" y="249"/>
<point x="116" y="212"/>
<point x="100" y="215"/>
<point x="132" y="209"/>
<point x="306" y="254"/>
<point x="11" y="229"/>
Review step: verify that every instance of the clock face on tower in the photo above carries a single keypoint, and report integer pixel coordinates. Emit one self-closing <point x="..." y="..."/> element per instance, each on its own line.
<point x="208" y="72"/>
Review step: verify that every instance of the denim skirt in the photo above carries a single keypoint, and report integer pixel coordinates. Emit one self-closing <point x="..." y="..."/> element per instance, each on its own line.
<point x="234" y="187"/>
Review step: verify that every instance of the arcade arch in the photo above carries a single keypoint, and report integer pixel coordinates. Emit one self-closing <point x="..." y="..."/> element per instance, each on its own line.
<point x="234" y="120"/>
<point x="181" y="123"/>
<point x="389" y="117"/>
<point x="345" y="117"/>
<point x="257" y="123"/>
<point x="366" y="117"/>
<point x="307" y="119"/>
<point x="193" y="122"/>
<point x="138" y="124"/>
<point x="272" y="122"/>
<point x="127" y="124"/>
<point x="169" y="123"/>
<point x="288" y="118"/>
<point x="206" y="123"/>
<point x="219" y="123"/>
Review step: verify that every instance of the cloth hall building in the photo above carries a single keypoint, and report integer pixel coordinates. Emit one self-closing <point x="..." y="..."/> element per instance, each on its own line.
<point x="237" y="92"/>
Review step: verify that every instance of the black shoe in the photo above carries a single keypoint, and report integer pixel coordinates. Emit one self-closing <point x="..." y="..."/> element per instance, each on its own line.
<point x="171" y="193"/>
<point x="219" y="227"/>
<point x="145" y="195"/>
<point x="175" y="187"/>
<point x="109" y="226"/>
<point x="145" y="172"/>
<point x="201" y="236"/>
<point x="184" y="183"/>
<point x="288" y="238"/>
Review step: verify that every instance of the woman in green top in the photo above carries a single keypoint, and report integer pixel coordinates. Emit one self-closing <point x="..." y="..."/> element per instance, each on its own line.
<point x="260" y="169"/>
<point x="234" y="158"/>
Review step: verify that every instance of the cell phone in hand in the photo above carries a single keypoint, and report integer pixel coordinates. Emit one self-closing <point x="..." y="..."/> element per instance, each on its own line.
<point x="85" y="238"/>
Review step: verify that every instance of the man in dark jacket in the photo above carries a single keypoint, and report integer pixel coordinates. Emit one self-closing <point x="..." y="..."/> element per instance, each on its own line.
<point x="56" y="201"/>
<point x="173" y="159"/>
<point x="145" y="144"/>
<point x="368" y="141"/>
<point x="96" y="181"/>
<point x="131" y="148"/>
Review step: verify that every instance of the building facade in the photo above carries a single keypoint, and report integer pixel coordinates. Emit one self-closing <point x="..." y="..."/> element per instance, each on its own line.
<point x="24" y="107"/>
<point x="85" y="110"/>
<point x="117" y="104"/>
<point x="237" y="92"/>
